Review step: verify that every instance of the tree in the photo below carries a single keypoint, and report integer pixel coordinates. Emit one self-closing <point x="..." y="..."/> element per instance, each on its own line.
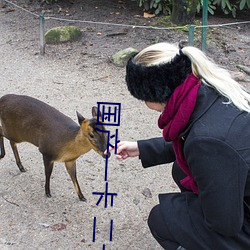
<point x="183" y="11"/>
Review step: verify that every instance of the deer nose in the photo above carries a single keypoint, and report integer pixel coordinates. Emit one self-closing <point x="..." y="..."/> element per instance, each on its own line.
<point x="104" y="155"/>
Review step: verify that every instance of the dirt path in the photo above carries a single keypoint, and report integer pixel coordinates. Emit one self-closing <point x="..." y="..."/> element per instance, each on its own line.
<point x="74" y="77"/>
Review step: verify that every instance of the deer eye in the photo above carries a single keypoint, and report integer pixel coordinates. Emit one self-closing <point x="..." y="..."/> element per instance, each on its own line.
<point x="91" y="136"/>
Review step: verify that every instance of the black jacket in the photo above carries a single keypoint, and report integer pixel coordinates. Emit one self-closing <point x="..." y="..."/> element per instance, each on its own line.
<point x="216" y="145"/>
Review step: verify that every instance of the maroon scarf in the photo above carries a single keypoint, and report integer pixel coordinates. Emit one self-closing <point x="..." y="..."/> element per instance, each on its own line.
<point x="174" y="119"/>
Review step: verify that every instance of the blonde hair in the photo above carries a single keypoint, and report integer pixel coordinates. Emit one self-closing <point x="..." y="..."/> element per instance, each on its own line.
<point x="202" y="67"/>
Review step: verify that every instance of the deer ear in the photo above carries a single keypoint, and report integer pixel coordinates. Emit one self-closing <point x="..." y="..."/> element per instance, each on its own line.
<point x="95" y="112"/>
<point x="80" y="118"/>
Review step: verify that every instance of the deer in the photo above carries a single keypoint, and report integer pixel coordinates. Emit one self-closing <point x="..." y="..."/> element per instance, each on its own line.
<point x="58" y="138"/>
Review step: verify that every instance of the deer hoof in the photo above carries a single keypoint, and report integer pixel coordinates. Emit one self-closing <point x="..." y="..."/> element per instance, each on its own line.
<point x="48" y="195"/>
<point x="82" y="198"/>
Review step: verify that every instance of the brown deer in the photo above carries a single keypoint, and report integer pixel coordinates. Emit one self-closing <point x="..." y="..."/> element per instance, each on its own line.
<point x="58" y="138"/>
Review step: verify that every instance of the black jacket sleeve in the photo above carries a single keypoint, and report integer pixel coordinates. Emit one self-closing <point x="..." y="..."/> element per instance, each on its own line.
<point x="155" y="151"/>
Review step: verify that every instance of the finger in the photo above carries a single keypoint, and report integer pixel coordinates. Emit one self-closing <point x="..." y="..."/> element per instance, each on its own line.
<point x="109" y="150"/>
<point x="120" y="146"/>
<point x="121" y="157"/>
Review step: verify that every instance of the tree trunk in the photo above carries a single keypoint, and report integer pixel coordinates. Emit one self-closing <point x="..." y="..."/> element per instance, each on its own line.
<point x="183" y="11"/>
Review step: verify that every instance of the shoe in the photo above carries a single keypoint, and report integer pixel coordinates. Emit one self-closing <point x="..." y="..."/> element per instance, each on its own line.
<point x="181" y="248"/>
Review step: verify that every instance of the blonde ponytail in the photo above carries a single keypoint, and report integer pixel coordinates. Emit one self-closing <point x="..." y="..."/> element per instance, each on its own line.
<point x="218" y="78"/>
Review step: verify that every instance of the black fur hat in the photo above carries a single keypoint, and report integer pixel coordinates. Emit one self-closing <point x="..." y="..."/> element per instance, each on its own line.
<point x="156" y="83"/>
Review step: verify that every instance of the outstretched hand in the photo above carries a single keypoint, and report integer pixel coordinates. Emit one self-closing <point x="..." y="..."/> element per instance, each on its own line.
<point x="125" y="149"/>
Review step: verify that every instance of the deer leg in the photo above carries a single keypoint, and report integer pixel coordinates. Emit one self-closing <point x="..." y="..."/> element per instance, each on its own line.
<point x="71" y="168"/>
<point x="48" y="165"/>
<point x="2" y="147"/>
<point x="1" y="144"/>
<point x="18" y="161"/>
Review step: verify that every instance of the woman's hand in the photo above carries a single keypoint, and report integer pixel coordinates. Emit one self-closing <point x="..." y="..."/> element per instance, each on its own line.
<point x="126" y="149"/>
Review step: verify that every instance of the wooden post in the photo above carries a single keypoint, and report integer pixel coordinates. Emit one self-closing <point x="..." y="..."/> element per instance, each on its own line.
<point x="204" y="23"/>
<point x="191" y="35"/>
<point x="2" y="3"/>
<point x="42" y="31"/>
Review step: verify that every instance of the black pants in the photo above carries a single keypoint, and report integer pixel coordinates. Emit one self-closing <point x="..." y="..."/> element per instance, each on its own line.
<point x="156" y="222"/>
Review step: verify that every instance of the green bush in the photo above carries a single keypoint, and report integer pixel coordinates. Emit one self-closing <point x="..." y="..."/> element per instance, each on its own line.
<point x="47" y="1"/>
<point x="232" y="6"/>
<point x="156" y="6"/>
<point x="211" y="7"/>
<point x="227" y="6"/>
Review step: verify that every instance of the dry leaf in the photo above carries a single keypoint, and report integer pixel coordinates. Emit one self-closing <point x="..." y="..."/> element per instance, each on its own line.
<point x="147" y="15"/>
<point x="58" y="227"/>
<point x="146" y="192"/>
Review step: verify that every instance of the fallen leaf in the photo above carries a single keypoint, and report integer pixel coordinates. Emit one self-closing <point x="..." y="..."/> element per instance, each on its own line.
<point x="146" y="192"/>
<point x="147" y="15"/>
<point x="58" y="227"/>
<point x="44" y="225"/>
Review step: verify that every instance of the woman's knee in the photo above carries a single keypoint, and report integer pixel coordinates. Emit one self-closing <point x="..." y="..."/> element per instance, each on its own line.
<point x="159" y="229"/>
<point x="154" y="217"/>
<point x="156" y="223"/>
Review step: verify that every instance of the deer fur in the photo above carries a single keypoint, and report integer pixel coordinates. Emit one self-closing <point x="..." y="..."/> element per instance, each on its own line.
<point x="58" y="137"/>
